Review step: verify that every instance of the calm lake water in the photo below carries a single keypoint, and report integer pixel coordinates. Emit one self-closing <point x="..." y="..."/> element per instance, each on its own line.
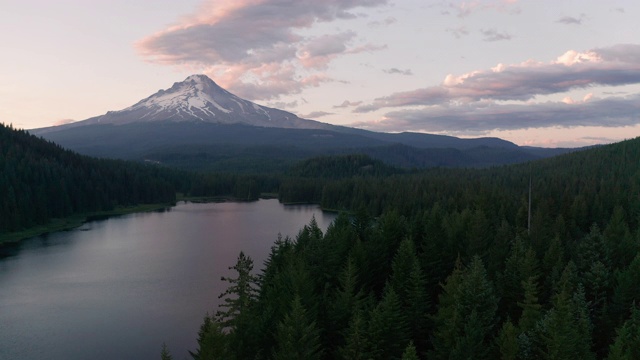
<point x="119" y="288"/>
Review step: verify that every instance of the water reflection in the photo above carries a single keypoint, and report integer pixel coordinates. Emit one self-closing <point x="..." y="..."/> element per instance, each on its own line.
<point x="119" y="287"/>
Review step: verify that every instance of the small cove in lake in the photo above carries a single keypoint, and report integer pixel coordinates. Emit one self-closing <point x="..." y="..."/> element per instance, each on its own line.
<point x="118" y="288"/>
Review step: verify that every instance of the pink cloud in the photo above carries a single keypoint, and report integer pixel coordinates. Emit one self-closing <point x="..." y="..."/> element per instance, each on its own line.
<point x="248" y="44"/>
<point x="318" y="52"/>
<point x="482" y="117"/>
<point x="612" y="66"/>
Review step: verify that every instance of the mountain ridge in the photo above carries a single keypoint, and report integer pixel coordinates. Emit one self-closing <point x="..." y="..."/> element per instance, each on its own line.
<point x="199" y="114"/>
<point x="200" y="99"/>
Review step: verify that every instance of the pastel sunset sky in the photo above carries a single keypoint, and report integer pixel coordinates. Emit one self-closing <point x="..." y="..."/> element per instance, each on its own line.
<point x="538" y="72"/>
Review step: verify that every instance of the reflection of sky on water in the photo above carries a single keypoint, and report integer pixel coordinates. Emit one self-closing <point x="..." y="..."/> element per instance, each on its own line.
<point x="136" y="280"/>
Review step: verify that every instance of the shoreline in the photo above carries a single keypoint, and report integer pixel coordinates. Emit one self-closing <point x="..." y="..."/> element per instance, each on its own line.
<point x="74" y="221"/>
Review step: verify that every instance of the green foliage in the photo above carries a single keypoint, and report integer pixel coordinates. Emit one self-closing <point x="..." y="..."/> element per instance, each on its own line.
<point x="387" y="333"/>
<point x="40" y="181"/>
<point x="356" y="344"/>
<point x="164" y="353"/>
<point x="240" y="295"/>
<point x="531" y="308"/>
<point x="297" y="338"/>
<point x="410" y="353"/>
<point x="387" y="279"/>
<point x="508" y="341"/>
<point x="627" y="342"/>
<point x="213" y="343"/>
<point x="565" y="331"/>
<point x="343" y="166"/>
<point x="466" y="315"/>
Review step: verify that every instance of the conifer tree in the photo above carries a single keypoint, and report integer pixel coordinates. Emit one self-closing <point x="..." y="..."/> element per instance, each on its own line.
<point x="479" y="235"/>
<point x="619" y="240"/>
<point x="297" y="338"/>
<point x="410" y="352"/>
<point x="626" y="291"/>
<point x="345" y="302"/>
<point x="627" y="342"/>
<point x="356" y="344"/>
<point x="402" y="265"/>
<point x="387" y="333"/>
<point x="552" y="265"/>
<point x="238" y="301"/>
<point x="519" y="266"/>
<point x="213" y="343"/>
<point x="241" y="293"/>
<point x="531" y="308"/>
<point x="164" y="353"/>
<point x="409" y="283"/>
<point x="466" y="315"/>
<point x="507" y="341"/>
<point x="565" y="331"/>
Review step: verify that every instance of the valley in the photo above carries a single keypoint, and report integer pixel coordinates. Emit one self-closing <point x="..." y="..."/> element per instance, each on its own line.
<point x="441" y="247"/>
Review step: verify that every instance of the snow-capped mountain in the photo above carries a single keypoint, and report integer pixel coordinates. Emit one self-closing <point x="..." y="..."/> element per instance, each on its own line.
<point x="198" y="98"/>
<point x="196" y="123"/>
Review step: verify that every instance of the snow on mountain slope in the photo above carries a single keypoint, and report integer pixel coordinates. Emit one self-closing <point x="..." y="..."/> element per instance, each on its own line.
<point x="199" y="98"/>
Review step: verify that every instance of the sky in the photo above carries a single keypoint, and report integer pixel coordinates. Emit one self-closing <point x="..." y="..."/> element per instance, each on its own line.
<point x="542" y="73"/>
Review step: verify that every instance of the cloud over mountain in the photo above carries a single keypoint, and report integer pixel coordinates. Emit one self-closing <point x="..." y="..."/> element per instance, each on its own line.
<point x="255" y="47"/>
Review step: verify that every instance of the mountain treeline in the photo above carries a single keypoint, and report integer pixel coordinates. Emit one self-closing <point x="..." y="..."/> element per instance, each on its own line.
<point x="444" y="265"/>
<point x="40" y="181"/>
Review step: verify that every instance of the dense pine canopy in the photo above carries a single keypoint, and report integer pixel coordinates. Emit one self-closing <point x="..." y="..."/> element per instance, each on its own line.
<point x="442" y="264"/>
<point x="40" y="181"/>
<point x="421" y="264"/>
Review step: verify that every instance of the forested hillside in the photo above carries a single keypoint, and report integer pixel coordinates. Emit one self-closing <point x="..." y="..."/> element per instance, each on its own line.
<point x="40" y="181"/>
<point x="444" y="265"/>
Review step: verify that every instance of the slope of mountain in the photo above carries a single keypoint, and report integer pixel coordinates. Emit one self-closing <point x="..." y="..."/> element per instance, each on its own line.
<point x="197" y="99"/>
<point x="197" y="117"/>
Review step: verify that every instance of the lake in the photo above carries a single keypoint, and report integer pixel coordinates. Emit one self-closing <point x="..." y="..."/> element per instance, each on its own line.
<point x="118" y="288"/>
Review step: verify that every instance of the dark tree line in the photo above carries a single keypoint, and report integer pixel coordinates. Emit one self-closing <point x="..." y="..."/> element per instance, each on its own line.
<point x="442" y="265"/>
<point x="40" y="181"/>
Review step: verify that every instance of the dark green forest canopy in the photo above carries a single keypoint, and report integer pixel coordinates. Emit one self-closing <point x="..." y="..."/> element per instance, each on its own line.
<point x="40" y="181"/>
<point x="443" y="264"/>
<point x="439" y="263"/>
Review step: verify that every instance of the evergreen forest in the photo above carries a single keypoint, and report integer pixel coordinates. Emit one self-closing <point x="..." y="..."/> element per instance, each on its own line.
<point x="531" y="261"/>
<point x="446" y="264"/>
<point x="40" y="181"/>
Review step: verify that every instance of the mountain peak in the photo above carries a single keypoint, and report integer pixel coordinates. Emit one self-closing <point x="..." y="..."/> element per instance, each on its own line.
<point x="198" y="98"/>
<point x="198" y="78"/>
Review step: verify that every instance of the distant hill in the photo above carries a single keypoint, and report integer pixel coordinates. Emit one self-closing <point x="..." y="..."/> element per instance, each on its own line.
<point x="196" y="124"/>
<point x="345" y="166"/>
